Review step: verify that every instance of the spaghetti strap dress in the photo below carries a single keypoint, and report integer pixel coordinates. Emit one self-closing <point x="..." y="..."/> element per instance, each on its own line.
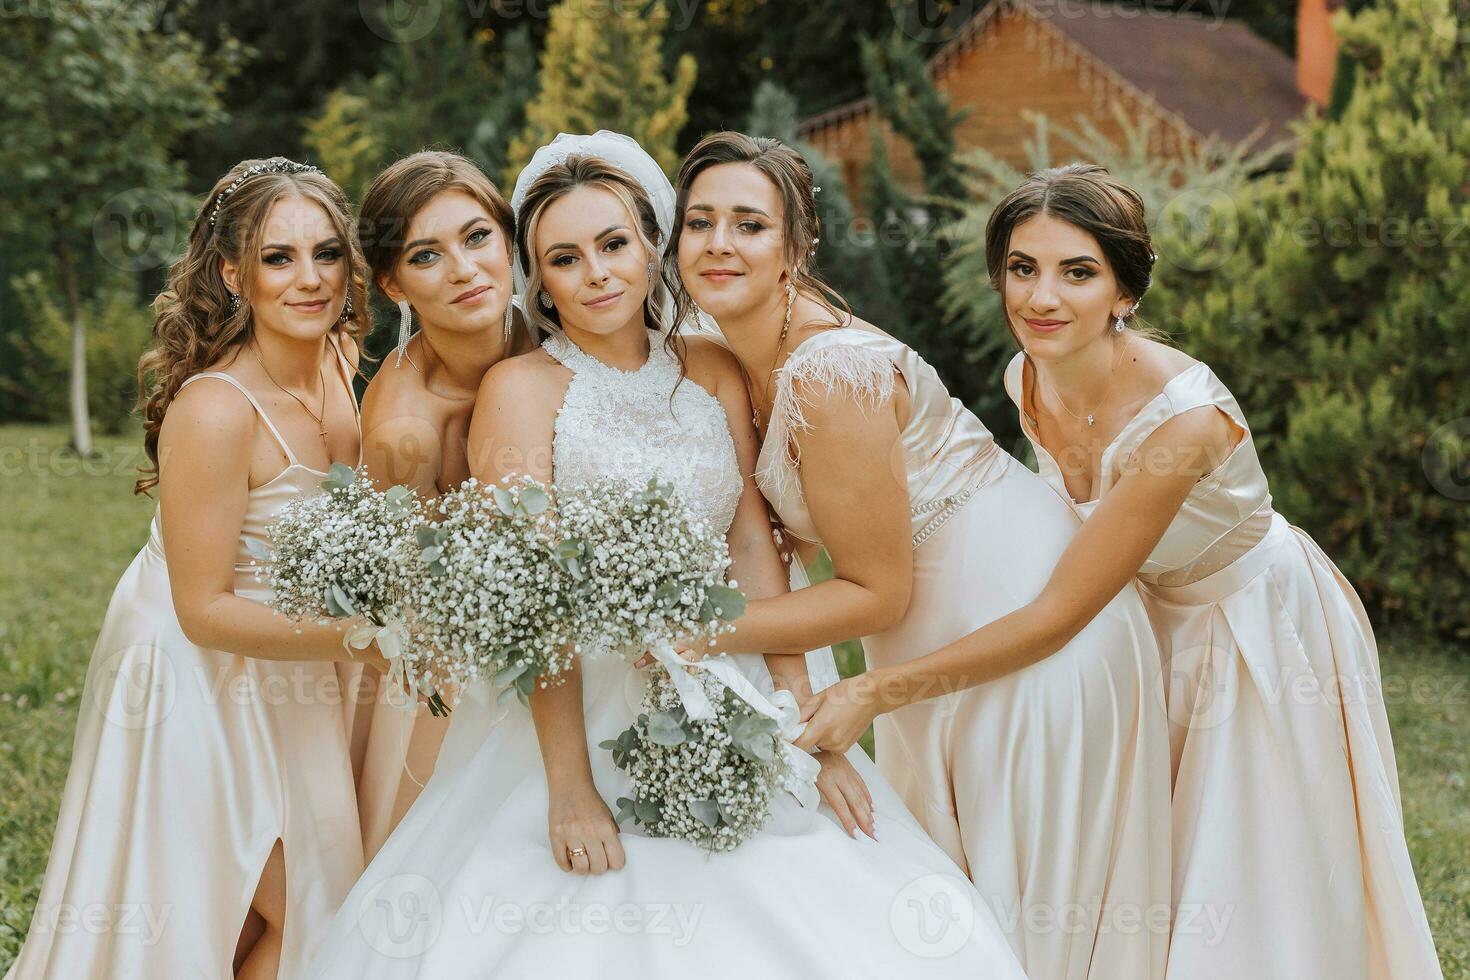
<point x="187" y="766"/>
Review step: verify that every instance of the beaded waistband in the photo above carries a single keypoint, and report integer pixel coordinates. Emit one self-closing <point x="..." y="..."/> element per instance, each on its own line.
<point x="981" y="470"/>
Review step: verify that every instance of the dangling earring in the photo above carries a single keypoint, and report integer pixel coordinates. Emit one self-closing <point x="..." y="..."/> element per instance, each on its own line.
<point x="790" y="298"/>
<point x="650" y="275"/>
<point x="405" y="329"/>
<point x="1118" y="325"/>
<point x="234" y="303"/>
<point x="510" y="305"/>
<point x="346" y="309"/>
<point x="546" y="299"/>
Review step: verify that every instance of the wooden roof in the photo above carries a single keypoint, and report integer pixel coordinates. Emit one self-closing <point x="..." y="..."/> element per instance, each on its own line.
<point x="1218" y="77"/>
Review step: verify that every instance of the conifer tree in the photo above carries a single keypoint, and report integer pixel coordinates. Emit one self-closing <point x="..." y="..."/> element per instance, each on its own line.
<point x="907" y="225"/>
<point x="1340" y="317"/>
<point x="602" y="68"/>
<point x="454" y="89"/>
<point x="847" y="256"/>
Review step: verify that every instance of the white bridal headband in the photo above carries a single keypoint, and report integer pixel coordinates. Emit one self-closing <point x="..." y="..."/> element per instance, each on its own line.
<point x="620" y="151"/>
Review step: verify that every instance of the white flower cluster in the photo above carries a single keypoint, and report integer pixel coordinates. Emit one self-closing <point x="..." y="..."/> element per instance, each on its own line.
<point x="708" y="782"/>
<point x="349" y="551"/>
<point x="342" y="552"/>
<point x="649" y="571"/>
<point x="492" y="592"/>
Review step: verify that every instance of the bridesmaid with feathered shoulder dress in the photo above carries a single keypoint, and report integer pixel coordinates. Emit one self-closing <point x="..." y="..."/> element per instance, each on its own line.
<point x="1289" y="858"/>
<point x="208" y="827"/>
<point x="437" y="237"/>
<point x="1049" y="785"/>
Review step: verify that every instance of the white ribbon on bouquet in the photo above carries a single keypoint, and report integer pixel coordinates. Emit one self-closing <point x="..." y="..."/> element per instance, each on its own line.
<point x="392" y="641"/>
<point x="780" y="707"/>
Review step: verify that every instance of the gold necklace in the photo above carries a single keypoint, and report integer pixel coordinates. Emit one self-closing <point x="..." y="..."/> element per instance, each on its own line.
<point x="755" y="412"/>
<point x="318" y="418"/>
<point x="1091" y="417"/>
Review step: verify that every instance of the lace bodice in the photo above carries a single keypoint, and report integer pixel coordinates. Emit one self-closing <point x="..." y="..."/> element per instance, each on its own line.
<point x="945" y="453"/>
<point x="1226" y="513"/>
<point x="625" y="424"/>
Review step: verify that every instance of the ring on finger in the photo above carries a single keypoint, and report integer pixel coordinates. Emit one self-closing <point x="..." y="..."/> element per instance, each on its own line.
<point x="578" y="851"/>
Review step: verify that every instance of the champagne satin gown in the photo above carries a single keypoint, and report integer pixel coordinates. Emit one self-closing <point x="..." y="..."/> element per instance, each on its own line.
<point x="1289" y="853"/>
<point x="393" y="753"/>
<point x="188" y="764"/>
<point x="1049" y="786"/>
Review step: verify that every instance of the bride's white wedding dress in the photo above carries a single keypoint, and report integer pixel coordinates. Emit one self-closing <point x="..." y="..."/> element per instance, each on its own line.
<point x="466" y="886"/>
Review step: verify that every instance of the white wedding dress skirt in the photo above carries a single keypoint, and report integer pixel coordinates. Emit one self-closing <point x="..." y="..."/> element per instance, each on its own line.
<point x="466" y="887"/>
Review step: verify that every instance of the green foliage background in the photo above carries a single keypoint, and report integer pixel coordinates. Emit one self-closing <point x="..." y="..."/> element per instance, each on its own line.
<point x="1328" y="286"/>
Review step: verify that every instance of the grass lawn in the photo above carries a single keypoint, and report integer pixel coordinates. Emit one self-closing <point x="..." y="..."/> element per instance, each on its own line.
<point x="68" y="529"/>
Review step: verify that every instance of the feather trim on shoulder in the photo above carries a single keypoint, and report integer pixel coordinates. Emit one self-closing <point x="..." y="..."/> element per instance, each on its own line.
<point x="858" y="373"/>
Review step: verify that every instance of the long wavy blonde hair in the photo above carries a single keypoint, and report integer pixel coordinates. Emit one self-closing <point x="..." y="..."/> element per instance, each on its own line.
<point x="193" y="323"/>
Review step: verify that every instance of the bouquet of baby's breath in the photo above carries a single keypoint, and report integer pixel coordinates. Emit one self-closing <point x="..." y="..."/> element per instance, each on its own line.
<point x="649" y="569"/>
<point x="708" y="781"/>
<point x="346" y="552"/>
<point x="493" y="591"/>
<point x="704" y="760"/>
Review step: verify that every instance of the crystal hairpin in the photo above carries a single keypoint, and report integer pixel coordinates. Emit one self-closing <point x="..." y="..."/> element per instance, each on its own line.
<point x="275" y="165"/>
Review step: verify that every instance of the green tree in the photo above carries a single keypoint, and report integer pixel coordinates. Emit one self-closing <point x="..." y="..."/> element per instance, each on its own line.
<point x="94" y="97"/>
<point x="602" y="68"/>
<point x="847" y="255"/>
<point x="453" y="88"/>
<point x="907" y="100"/>
<point x="1338" y="316"/>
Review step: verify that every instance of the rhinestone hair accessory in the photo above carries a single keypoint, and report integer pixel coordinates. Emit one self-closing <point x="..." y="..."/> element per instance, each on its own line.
<point x="275" y="165"/>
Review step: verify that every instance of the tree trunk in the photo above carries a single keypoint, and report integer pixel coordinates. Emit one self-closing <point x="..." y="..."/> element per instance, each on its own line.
<point x="81" y="421"/>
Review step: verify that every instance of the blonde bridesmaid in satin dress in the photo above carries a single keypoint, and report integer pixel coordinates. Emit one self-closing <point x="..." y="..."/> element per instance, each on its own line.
<point x="1289" y="852"/>
<point x="436" y="234"/>
<point x="208" y="827"/>
<point x="1049" y="784"/>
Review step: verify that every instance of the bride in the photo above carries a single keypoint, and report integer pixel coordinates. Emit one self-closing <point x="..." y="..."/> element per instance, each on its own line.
<point x="510" y="863"/>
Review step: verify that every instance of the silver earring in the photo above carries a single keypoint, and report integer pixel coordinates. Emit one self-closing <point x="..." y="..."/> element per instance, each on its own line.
<point x="790" y="298"/>
<point x="234" y="302"/>
<point x="1118" y="325"/>
<point x="650" y="274"/>
<point x="347" y="309"/>
<point x="546" y="299"/>
<point x="405" y="329"/>
<point x="510" y="306"/>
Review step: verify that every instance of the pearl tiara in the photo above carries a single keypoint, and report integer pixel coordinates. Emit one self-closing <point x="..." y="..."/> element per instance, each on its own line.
<point x="275" y="165"/>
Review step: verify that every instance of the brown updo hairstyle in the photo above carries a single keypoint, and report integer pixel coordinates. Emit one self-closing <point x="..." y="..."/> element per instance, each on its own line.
<point x="1088" y="197"/>
<point x="800" y="225"/>
<point x="193" y="324"/>
<point x="404" y="187"/>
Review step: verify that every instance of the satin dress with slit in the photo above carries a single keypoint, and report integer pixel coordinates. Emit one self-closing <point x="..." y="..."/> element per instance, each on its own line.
<point x="1289" y="857"/>
<point x="187" y="766"/>
<point x="1050" y="786"/>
